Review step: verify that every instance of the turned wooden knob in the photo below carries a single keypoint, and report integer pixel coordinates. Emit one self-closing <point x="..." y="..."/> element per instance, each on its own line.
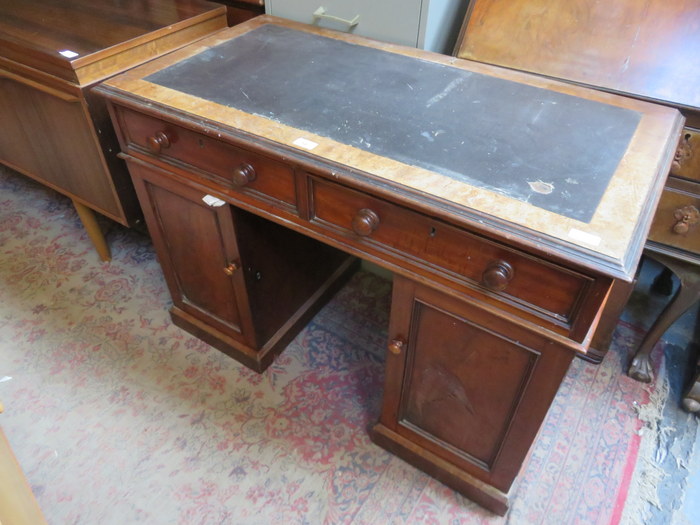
<point x="684" y="152"/>
<point x="365" y="222"/>
<point x="158" y="142"/>
<point x="681" y="228"/>
<point x="243" y="174"/>
<point x="685" y="217"/>
<point x="497" y="276"/>
<point x="396" y="346"/>
<point x="231" y="269"/>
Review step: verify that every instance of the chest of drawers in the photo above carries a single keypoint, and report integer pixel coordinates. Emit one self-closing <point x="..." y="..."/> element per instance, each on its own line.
<point x="256" y="188"/>
<point x="645" y="50"/>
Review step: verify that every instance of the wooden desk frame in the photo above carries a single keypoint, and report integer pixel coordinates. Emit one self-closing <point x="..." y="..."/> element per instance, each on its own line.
<point x="469" y="347"/>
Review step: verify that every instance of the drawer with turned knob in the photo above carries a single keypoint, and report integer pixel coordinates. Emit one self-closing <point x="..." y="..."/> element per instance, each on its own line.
<point x="220" y="164"/>
<point x="677" y="219"/>
<point x="378" y="226"/>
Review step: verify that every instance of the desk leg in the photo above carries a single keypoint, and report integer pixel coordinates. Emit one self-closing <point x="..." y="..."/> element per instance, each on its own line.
<point x="87" y="217"/>
<point x="687" y="295"/>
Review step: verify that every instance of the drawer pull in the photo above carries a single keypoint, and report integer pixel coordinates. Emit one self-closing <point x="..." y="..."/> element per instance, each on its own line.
<point x="684" y="153"/>
<point x="497" y="276"/>
<point x="231" y="269"/>
<point x="685" y="217"/>
<point x="365" y="222"/>
<point x="243" y="174"/>
<point x="158" y="142"/>
<point x="395" y="346"/>
<point x="320" y="14"/>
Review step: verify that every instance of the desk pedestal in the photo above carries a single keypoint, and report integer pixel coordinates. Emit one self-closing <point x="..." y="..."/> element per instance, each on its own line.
<point x="465" y="392"/>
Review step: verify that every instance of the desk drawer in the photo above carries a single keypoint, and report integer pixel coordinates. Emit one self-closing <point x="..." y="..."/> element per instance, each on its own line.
<point x="424" y="241"/>
<point x="224" y="164"/>
<point x="677" y="219"/>
<point x="686" y="162"/>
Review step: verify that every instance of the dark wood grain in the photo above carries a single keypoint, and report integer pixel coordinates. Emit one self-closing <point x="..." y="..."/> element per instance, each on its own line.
<point x="39" y="30"/>
<point x="217" y="159"/>
<point x="54" y="129"/>
<point x="647" y="48"/>
<point x="238" y="11"/>
<point x="463" y="369"/>
<point x="242" y="283"/>
<point x="424" y="240"/>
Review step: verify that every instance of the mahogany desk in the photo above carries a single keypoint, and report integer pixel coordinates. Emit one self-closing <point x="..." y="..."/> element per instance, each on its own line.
<point x="648" y="49"/>
<point x="52" y="128"/>
<point x="264" y="154"/>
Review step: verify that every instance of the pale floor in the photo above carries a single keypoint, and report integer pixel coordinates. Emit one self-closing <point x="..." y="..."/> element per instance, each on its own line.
<point x="676" y="452"/>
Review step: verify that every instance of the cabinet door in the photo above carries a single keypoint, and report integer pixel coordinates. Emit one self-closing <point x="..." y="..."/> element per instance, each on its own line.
<point x="197" y="249"/>
<point x="466" y="386"/>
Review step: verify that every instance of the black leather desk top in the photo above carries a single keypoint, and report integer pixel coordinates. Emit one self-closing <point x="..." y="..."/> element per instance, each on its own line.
<point x="550" y="149"/>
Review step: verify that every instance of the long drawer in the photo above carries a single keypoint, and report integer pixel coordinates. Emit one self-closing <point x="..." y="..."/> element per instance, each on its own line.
<point x="408" y="235"/>
<point x="223" y="164"/>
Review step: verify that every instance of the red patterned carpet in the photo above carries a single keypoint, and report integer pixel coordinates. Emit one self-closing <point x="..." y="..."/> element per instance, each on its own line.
<point x="119" y="417"/>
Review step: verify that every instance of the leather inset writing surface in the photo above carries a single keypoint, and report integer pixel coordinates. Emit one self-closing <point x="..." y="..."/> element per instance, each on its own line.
<point x="497" y="134"/>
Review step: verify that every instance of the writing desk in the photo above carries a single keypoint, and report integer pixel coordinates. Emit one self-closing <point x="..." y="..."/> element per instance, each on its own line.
<point x="506" y="205"/>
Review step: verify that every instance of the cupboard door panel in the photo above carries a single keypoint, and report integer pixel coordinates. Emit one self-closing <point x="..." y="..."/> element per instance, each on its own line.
<point x="464" y="385"/>
<point x="196" y="246"/>
<point x="460" y="378"/>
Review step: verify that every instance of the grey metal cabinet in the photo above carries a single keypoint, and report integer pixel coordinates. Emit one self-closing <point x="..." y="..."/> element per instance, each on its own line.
<point x="426" y="24"/>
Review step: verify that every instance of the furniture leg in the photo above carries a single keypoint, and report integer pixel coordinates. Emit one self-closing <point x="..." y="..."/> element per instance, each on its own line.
<point x="87" y="217"/>
<point x="691" y="399"/>
<point x="687" y="295"/>
<point x="663" y="282"/>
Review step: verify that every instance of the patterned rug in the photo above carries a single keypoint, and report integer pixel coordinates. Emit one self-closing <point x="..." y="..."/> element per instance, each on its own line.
<point x="119" y="417"/>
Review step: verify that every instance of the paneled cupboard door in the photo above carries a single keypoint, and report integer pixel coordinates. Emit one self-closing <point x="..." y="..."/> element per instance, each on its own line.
<point x="466" y="386"/>
<point x="197" y="249"/>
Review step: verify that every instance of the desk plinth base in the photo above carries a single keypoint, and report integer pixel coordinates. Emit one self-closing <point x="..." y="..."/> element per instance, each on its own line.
<point x="476" y="490"/>
<point x="259" y="359"/>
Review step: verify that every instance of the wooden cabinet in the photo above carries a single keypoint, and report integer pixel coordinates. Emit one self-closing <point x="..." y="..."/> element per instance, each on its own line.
<point x="51" y="54"/>
<point x="267" y="172"/>
<point x="242" y="283"/>
<point x="426" y="24"/>
<point x="464" y="388"/>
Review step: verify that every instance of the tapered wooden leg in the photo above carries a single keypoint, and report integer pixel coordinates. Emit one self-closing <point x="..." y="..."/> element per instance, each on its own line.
<point x="687" y="295"/>
<point x="87" y="217"/>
